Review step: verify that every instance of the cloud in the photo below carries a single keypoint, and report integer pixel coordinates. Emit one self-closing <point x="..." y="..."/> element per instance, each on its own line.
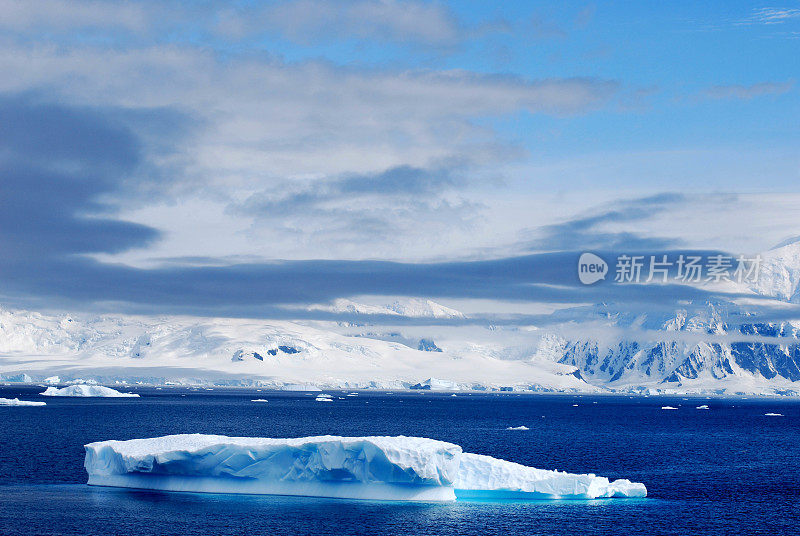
<point x="266" y="119"/>
<point x="273" y="140"/>
<point x="56" y="164"/>
<point x="397" y="183"/>
<point x="310" y="21"/>
<point x="772" y="15"/>
<point x="746" y="92"/>
<point x="592" y="232"/>
<point x="304" y="22"/>
<point x="67" y="15"/>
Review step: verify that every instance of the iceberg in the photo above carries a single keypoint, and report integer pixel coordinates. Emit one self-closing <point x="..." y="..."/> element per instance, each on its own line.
<point x="383" y="468"/>
<point x="376" y="468"/>
<point x="484" y="477"/>
<point x="86" y="391"/>
<point x="18" y="402"/>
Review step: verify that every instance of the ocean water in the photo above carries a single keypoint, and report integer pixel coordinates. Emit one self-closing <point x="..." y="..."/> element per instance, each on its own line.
<point x="729" y="470"/>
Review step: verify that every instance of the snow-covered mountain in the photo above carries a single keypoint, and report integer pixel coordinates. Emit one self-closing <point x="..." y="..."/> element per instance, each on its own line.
<point x="34" y="347"/>
<point x="715" y="349"/>
<point x="780" y="273"/>
<point x="409" y="307"/>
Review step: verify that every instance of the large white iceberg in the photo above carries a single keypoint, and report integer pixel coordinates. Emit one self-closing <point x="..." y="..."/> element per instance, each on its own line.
<point x="18" y="402"/>
<point x="86" y="390"/>
<point x="390" y="468"/>
<point x="379" y="468"/>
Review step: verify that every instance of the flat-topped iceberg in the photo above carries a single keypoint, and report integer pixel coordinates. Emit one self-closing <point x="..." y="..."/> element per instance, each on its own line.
<point x="18" y="402"/>
<point x="87" y="391"/>
<point x="379" y="468"/>
<point x="390" y="468"/>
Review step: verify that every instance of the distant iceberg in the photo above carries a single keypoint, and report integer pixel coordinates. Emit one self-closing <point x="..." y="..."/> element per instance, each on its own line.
<point x="86" y="391"/>
<point x="377" y="468"/>
<point x="18" y="402"/>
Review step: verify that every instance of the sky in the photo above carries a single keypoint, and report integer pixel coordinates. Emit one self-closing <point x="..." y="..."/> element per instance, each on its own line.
<point x="239" y="157"/>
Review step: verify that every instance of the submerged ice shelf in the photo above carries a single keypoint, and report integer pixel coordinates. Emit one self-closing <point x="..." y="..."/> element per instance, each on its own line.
<point x="379" y="468"/>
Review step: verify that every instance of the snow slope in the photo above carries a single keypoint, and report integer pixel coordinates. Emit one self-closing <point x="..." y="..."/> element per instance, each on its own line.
<point x="381" y="468"/>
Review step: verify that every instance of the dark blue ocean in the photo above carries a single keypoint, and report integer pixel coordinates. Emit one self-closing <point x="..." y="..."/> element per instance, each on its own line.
<point x="729" y="470"/>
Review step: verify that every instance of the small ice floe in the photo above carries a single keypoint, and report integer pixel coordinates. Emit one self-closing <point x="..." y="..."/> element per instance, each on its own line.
<point x="324" y="398"/>
<point x="574" y="405"/>
<point x="704" y="406"/>
<point x="517" y="428"/>
<point x="18" y="402"/>
<point x="352" y="394"/>
<point x="668" y="407"/>
<point x="259" y="400"/>
<point x="773" y="415"/>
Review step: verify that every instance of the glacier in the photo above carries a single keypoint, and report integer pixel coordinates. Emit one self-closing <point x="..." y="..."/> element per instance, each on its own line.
<point x="374" y="467"/>
<point x="18" y="402"/>
<point x="87" y="391"/>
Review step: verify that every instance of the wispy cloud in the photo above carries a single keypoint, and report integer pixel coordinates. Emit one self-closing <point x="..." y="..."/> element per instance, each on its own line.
<point x="746" y="92"/>
<point x="771" y="15"/>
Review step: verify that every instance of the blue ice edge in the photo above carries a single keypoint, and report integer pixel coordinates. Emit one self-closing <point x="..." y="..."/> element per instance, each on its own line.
<point x="371" y="468"/>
